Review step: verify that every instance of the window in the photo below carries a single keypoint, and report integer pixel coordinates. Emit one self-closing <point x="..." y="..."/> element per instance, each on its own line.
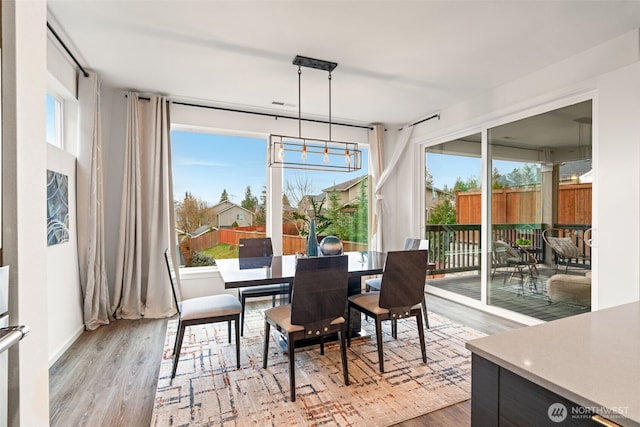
<point x="219" y="189"/>
<point x="54" y="121"/>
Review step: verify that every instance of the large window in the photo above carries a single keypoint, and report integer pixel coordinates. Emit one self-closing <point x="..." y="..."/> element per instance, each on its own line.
<point x="221" y="195"/>
<point x="219" y="187"/>
<point x="538" y="183"/>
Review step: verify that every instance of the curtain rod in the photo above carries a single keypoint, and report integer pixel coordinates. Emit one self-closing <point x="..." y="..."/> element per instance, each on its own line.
<point x="84" y="72"/>
<point x="424" y="120"/>
<point x="257" y="113"/>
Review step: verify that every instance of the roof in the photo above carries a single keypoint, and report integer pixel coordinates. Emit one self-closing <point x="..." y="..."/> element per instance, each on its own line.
<point x="344" y="186"/>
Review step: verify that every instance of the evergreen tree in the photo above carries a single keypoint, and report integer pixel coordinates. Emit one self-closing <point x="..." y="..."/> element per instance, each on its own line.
<point x="224" y="196"/>
<point x="250" y="202"/>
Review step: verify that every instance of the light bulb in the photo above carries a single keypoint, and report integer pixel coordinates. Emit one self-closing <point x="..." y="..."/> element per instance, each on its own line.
<point x="347" y="157"/>
<point x="281" y="153"/>
<point x="326" y="155"/>
<point x="304" y="153"/>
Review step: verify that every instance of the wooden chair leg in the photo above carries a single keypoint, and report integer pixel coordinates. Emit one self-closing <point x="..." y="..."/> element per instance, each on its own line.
<point x="322" y="346"/>
<point x="349" y="325"/>
<point x="379" y="341"/>
<point x="242" y="303"/>
<point x="424" y="311"/>
<point x="176" y="356"/>
<point x="343" y="353"/>
<point x="175" y="344"/>
<point x="292" y="371"/>
<point x="229" y="330"/>
<point x="394" y="329"/>
<point x="237" y="320"/>
<point x="267" y="334"/>
<point x="421" y="336"/>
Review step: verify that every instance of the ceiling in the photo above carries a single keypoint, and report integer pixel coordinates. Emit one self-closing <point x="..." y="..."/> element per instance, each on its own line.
<point x="398" y="61"/>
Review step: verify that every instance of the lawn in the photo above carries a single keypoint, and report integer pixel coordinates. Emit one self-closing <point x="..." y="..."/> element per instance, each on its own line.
<point x="221" y="251"/>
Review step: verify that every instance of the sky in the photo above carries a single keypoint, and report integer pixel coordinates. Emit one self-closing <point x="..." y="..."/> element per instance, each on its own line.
<point x="206" y="164"/>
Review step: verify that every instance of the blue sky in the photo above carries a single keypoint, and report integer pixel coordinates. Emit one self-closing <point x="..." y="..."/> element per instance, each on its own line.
<point x="206" y="164"/>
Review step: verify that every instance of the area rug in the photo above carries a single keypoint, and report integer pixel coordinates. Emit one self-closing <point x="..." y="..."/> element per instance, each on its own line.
<point x="208" y="390"/>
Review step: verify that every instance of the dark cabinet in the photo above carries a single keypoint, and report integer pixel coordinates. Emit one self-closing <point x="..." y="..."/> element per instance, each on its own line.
<point x="500" y="397"/>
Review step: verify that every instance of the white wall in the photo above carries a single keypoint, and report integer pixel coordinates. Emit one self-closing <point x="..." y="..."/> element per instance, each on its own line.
<point x="64" y="293"/>
<point x="610" y="73"/>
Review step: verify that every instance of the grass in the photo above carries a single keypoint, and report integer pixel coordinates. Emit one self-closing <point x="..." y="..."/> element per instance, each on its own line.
<point x="221" y="251"/>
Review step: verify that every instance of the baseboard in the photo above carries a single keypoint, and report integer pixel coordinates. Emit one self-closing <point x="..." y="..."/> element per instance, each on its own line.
<point x="64" y="347"/>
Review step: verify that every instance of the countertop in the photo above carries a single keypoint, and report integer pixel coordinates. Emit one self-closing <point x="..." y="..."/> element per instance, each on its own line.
<point x="592" y="359"/>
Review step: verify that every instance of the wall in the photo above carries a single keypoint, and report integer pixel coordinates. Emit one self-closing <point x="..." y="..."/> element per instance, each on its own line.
<point x="610" y="73"/>
<point x="64" y="293"/>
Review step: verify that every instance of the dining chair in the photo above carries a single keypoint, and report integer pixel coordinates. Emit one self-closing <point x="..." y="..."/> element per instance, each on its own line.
<point x="401" y="294"/>
<point x="410" y="243"/>
<point x="200" y="311"/>
<point x="318" y="303"/>
<point x="258" y="248"/>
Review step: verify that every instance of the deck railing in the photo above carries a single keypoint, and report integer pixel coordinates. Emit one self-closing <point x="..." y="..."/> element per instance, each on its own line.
<point x="457" y="247"/>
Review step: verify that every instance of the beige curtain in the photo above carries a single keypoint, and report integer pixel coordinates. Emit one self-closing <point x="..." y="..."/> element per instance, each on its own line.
<point x="381" y="174"/>
<point x="90" y="221"/>
<point x="142" y="287"/>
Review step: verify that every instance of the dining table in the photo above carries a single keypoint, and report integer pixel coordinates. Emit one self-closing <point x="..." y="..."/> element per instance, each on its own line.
<point x="281" y="269"/>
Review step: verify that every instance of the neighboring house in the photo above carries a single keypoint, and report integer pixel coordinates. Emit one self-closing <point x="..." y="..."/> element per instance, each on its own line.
<point x="433" y="197"/>
<point x="227" y="213"/>
<point x="348" y="192"/>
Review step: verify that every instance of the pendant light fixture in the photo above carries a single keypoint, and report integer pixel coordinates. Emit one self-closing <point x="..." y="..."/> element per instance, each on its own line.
<point x="309" y="153"/>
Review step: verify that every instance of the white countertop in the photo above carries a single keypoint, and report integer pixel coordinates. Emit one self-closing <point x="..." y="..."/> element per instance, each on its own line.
<point x="592" y="359"/>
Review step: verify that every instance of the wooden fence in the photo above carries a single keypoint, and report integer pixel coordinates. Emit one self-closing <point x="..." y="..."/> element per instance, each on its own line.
<point x="521" y="206"/>
<point x="290" y="244"/>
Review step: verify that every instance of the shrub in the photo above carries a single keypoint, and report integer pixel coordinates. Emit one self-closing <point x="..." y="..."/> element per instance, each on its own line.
<point x="200" y="260"/>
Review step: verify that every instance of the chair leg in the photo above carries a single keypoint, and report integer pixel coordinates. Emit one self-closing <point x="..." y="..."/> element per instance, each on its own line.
<point x="229" y="330"/>
<point x="322" y="346"/>
<point x="242" y="303"/>
<point x="237" y="320"/>
<point x="421" y="336"/>
<point x="292" y="371"/>
<point x="176" y="356"/>
<point x="394" y="329"/>
<point x="379" y="341"/>
<point x="175" y="344"/>
<point x="343" y="353"/>
<point x="273" y="300"/>
<point x="424" y="311"/>
<point x="267" y="334"/>
<point x="348" y="325"/>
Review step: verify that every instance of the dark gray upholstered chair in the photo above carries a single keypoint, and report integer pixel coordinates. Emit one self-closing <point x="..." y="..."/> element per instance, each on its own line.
<point x="201" y="310"/>
<point x="256" y="249"/>
<point x="409" y="244"/>
<point x="318" y="303"/>
<point x="400" y="296"/>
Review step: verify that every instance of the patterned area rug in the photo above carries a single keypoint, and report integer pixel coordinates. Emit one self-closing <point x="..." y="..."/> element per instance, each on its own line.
<point x="208" y="390"/>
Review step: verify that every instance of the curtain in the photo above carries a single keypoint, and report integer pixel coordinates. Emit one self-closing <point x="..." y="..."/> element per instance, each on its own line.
<point x="90" y="213"/>
<point x="381" y="174"/>
<point x="142" y="287"/>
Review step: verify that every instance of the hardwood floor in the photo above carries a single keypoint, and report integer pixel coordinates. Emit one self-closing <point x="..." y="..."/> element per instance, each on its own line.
<point x="108" y="377"/>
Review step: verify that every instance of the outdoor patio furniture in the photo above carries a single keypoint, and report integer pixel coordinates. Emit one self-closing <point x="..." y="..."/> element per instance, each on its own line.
<point x="565" y="246"/>
<point x="570" y="288"/>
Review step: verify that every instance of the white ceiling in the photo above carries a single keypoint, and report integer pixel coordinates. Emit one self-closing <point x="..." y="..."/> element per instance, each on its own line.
<point x="398" y="61"/>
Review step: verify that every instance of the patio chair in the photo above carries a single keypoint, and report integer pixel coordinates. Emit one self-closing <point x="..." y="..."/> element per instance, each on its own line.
<point x="258" y="248"/>
<point x="400" y="296"/>
<point x="505" y="255"/>
<point x="318" y="303"/>
<point x="199" y="311"/>
<point x="409" y="244"/>
<point x="565" y="247"/>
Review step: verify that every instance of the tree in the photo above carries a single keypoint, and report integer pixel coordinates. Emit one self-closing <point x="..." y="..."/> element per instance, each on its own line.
<point x="443" y="213"/>
<point x="472" y="183"/>
<point x="224" y="196"/>
<point x="261" y="212"/>
<point x="191" y="213"/>
<point x="250" y="202"/>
